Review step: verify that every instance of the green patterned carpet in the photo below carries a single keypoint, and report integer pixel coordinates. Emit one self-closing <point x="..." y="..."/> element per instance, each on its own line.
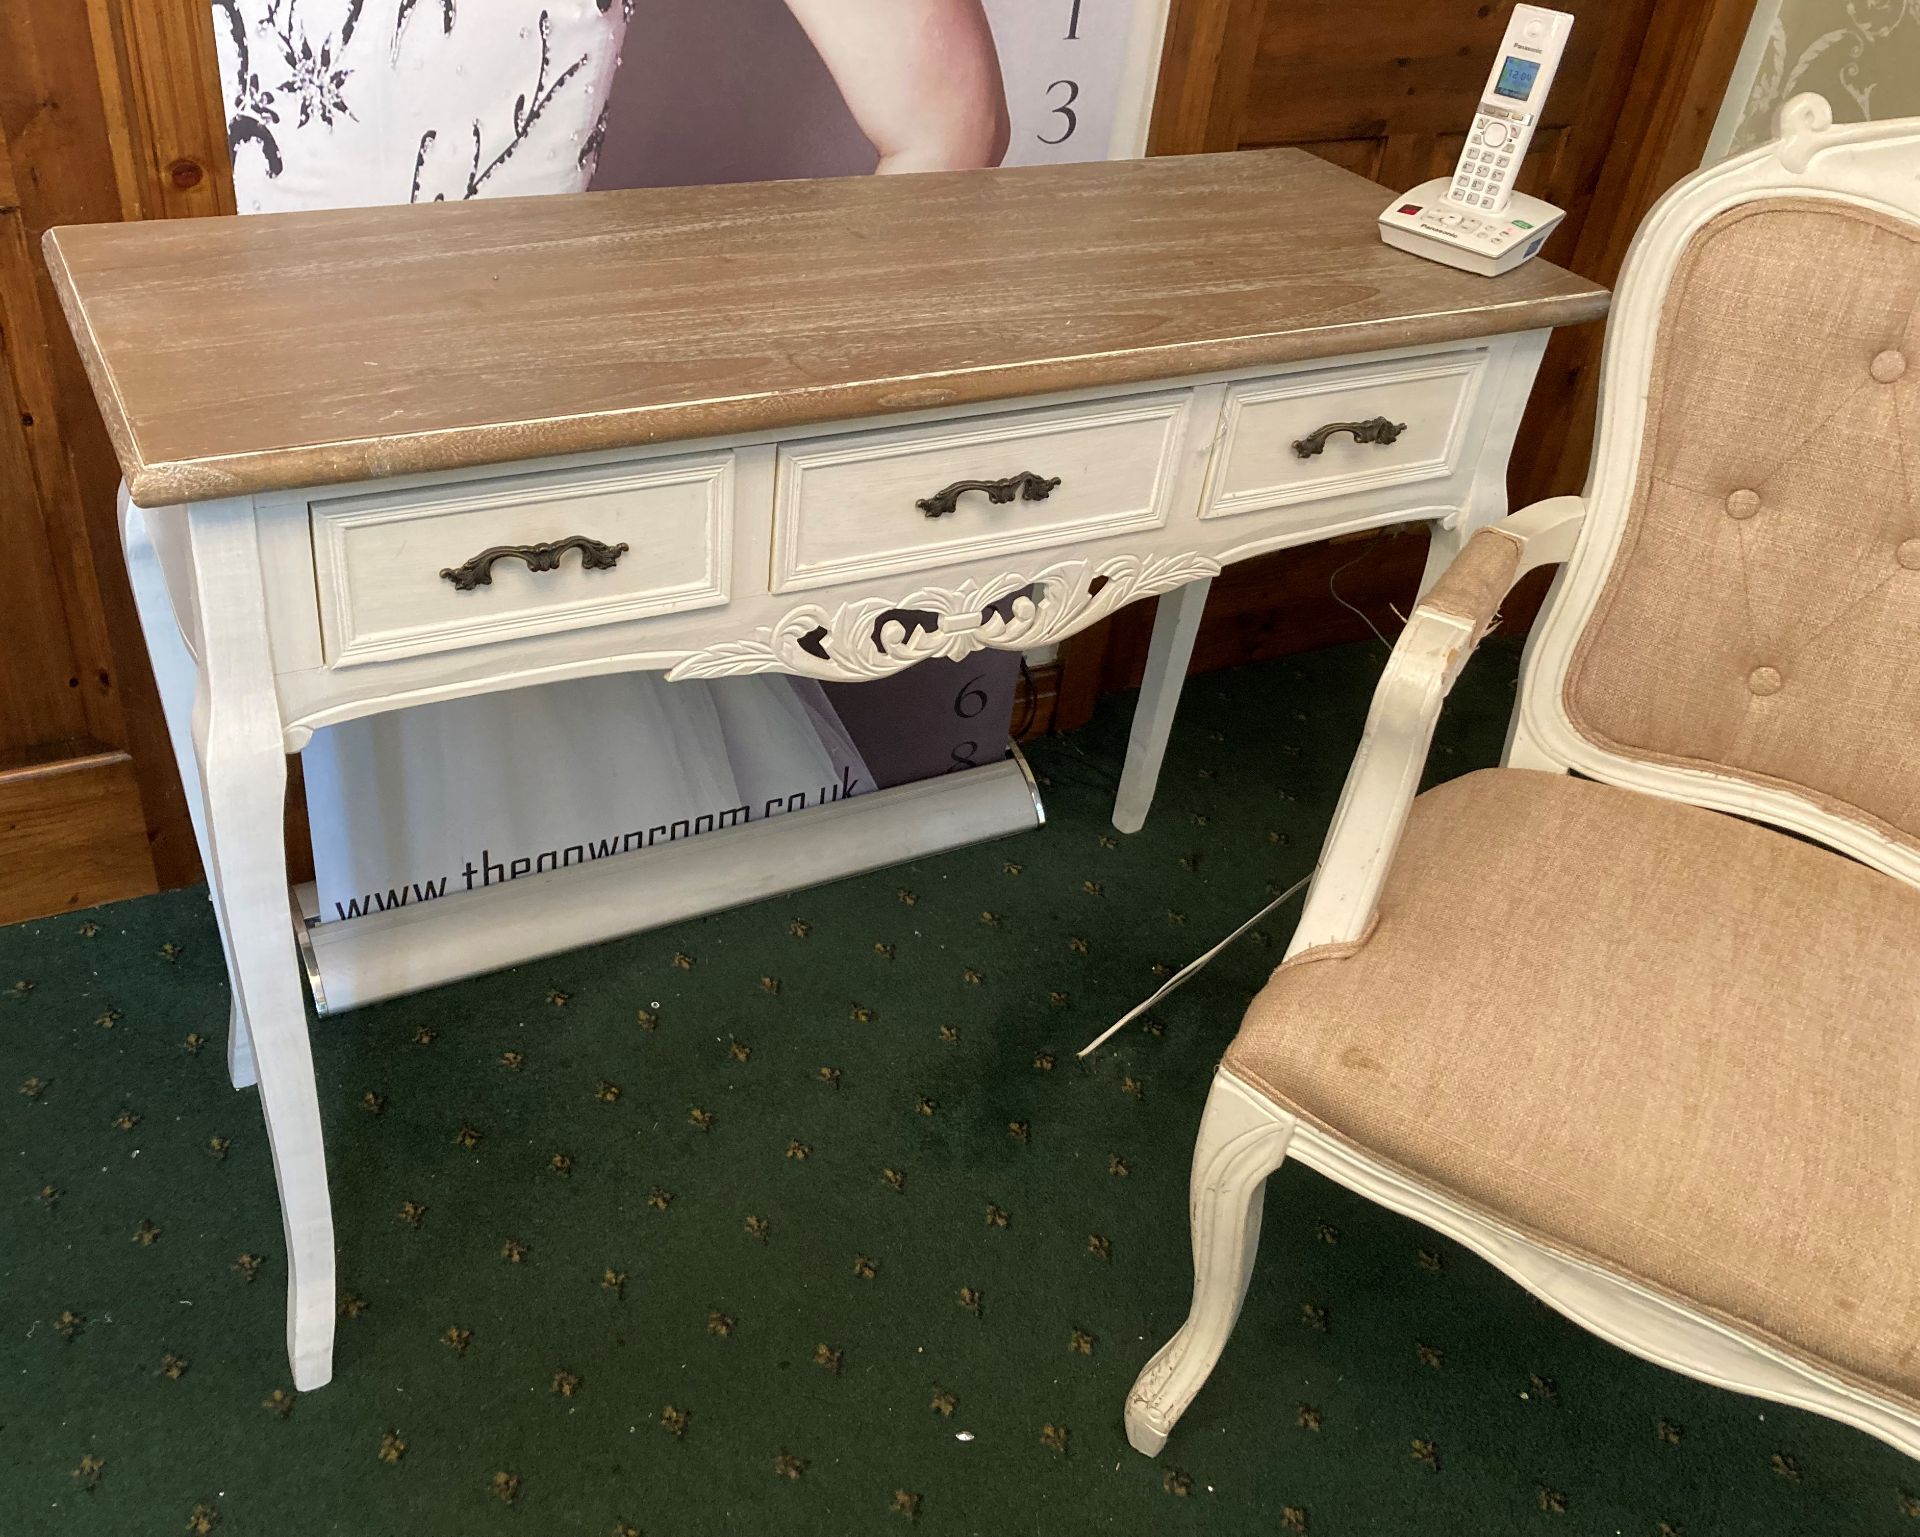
<point x="804" y="1219"/>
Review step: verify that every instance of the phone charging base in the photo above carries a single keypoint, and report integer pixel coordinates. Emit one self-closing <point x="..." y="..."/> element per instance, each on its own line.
<point x="1428" y="223"/>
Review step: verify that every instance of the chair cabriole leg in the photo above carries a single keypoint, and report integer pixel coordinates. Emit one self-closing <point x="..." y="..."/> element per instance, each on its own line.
<point x="1243" y="1139"/>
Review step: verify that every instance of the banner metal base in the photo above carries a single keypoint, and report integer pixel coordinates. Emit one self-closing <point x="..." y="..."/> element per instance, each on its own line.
<point x="356" y="961"/>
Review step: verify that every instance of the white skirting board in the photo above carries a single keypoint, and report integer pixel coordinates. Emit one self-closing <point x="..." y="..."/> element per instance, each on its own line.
<point x="357" y="961"/>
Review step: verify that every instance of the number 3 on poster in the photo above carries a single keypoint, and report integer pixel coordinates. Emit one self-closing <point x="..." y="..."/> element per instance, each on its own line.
<point x="1079" y="75"/>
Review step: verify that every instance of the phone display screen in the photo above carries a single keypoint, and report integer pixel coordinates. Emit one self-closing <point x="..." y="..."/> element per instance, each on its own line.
<point x="1516" y="78"/>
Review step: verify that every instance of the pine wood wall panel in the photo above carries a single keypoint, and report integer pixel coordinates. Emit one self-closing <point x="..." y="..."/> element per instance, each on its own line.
<point x="106" y="108"/>
<point x="177" y="134"/>
<point x="37" y="704"/>
<point x="61" y="667"/>
<point x="72" y="835"/>
<point x="1206" y="65"/>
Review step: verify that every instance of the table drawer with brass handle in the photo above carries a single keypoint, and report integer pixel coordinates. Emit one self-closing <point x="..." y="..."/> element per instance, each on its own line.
<point x="1317" y="434"/>
<point x="422" y="569"/>
<point x="867" y="504"/>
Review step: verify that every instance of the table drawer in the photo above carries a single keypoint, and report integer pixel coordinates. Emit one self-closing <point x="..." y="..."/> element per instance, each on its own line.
<point x="435" y="568"/>
<point x="868" y="504"/>
<point x="1324" y="433"/>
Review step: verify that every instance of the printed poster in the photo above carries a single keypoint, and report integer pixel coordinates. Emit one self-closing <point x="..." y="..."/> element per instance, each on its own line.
<point x="351" y="102"/>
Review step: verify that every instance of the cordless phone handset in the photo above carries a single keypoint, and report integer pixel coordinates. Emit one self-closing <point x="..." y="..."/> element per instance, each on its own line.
<point x="1474" y="220"/>
<point x="1509" y="109"/>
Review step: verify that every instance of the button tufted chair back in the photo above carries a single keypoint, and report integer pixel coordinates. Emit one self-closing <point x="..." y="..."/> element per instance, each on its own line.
<point x="1760" y="619"/>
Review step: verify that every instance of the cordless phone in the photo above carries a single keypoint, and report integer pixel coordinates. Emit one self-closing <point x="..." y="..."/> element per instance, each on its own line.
<point x="1474" y="219"/>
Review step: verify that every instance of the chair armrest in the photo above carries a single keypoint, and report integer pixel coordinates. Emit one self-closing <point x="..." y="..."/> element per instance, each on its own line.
<point x="1430" y="654"/>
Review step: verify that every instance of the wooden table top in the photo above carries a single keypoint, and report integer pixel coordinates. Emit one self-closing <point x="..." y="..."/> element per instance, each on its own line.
<point x="236" y="355"/>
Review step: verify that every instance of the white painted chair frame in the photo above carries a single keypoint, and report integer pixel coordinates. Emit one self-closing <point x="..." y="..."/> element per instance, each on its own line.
<point x="1244" y="1137"/>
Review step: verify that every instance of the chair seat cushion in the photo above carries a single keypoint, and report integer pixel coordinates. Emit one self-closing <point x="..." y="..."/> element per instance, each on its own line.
<point x="1651" y="1036"/>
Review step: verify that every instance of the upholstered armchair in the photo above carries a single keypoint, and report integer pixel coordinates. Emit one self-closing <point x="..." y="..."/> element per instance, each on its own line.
<point x="1636" y="1016"/>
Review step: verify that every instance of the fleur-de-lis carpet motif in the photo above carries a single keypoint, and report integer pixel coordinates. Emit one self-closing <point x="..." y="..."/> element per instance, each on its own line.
<point x="805" y="1218"/>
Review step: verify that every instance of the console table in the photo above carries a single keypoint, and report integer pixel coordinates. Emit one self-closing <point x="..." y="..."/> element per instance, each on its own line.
<point x="380" y="457"/>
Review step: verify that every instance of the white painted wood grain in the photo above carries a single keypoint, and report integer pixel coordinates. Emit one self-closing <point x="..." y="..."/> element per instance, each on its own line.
<point x="847" y="507"/>
<point x="380" y="555"/>
<point x="1259" y="470"/>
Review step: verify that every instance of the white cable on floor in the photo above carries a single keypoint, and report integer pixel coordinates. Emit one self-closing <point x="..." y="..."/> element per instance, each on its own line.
<point x="1180" y="976"/>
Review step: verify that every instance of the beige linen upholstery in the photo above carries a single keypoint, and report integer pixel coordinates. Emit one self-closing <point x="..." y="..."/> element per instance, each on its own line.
<point x="1476" y="580"/>
<point x="1642" y="1033"/>
<point x="1762" y="617"/>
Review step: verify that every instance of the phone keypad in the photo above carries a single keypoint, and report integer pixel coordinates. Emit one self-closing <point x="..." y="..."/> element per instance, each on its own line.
<point x="1480" y="180"/>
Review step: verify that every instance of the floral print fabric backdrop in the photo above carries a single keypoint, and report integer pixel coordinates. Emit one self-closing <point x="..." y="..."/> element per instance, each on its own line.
<point x="340" y="102"/>
<point x="1862" y="55"/>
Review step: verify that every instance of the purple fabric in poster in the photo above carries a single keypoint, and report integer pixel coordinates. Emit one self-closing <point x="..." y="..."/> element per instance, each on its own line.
<point x="933" y="719"/>
<point x="718" y="111"/>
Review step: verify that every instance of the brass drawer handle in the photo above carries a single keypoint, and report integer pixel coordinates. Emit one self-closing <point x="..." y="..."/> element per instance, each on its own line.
<point x="478" y="572"/>
<point x="1375" y="429"/>
<point x="1026" y="485"/>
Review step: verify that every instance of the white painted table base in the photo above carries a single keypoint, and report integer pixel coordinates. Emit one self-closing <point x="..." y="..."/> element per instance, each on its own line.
<point x="248" y="667"/>
<point x="1176" y="622"/>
